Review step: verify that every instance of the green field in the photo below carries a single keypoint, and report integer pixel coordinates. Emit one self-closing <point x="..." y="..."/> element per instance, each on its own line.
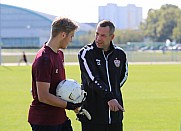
<point x="152" y="97"/>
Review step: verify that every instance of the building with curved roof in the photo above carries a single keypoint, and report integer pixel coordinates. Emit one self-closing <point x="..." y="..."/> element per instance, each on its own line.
<point x="20" y="27"/>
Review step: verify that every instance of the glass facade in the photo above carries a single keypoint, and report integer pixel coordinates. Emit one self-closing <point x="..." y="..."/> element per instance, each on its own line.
<point x="20" y="42"/>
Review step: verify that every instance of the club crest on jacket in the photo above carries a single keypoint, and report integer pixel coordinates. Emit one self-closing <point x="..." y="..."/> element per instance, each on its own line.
<point x="117" y="63"/>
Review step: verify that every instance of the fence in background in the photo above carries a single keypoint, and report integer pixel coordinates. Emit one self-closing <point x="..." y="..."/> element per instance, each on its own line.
<point x="14" y="55"/>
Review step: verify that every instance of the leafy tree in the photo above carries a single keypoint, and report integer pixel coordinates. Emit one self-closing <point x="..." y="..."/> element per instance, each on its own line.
<point x="177" y="32"/>
<point x="160" y="24"/>
<point x="124" y="36"/>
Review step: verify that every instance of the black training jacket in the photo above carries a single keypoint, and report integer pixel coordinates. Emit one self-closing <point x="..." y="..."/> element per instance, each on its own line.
<point x="102" y="77"/>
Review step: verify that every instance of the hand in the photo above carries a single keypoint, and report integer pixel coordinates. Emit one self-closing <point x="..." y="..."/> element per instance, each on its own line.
<point x="77" y="110"/>
<point x="72" y="106"/>
<point x="80" y="112"/>
<point x="115" y="106"/>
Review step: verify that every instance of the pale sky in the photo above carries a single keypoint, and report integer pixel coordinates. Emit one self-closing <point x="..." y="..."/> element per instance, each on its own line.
<point x="84" y="10"/>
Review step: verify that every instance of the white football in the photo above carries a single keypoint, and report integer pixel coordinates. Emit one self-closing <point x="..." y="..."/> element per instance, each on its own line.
<point x="70" y="90"/>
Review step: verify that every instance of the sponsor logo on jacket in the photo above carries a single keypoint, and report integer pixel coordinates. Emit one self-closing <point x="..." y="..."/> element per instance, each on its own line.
<point x="98" y="62"/>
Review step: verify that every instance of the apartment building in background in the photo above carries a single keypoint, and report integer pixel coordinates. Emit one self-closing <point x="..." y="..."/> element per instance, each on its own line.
<point x="124" y="17"/>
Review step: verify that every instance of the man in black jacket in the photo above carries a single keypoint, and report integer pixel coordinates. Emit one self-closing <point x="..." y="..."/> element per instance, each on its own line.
<point x="104" y="70"/>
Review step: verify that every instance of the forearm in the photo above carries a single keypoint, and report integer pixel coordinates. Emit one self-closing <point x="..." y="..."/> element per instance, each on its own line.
<point x="46" y="97"/>
<point x="102" y="89"/>
<point x="53" y="100"/>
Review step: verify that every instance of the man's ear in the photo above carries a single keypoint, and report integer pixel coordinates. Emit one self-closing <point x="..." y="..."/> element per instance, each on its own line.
<point x="64" y="34"/>
<point x="112" y="36"/>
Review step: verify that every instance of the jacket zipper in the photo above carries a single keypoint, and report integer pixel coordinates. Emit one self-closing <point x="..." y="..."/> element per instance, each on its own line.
<point x="110" y="89"/>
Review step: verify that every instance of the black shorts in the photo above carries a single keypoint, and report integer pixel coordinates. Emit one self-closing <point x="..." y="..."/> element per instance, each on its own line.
<point x="66" y="126"/>
<point x="101" y="127"/>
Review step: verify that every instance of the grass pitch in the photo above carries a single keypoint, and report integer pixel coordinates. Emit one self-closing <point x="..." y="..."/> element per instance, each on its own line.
<point x="152" y="97"/>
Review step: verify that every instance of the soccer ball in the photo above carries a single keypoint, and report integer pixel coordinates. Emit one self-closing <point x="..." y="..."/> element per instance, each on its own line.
<point x="70" y="91"/>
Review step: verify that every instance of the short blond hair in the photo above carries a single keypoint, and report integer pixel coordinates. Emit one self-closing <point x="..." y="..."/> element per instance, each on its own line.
<point x="61" y="24"/>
